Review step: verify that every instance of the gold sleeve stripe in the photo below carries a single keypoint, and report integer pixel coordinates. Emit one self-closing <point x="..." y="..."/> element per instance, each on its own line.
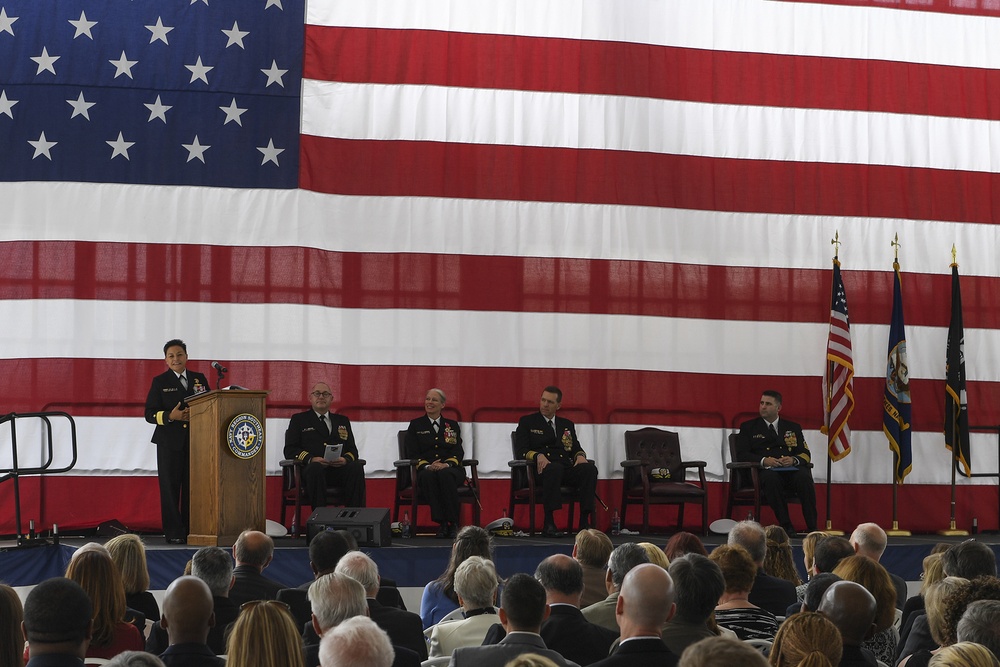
<point x="159" y="417"/>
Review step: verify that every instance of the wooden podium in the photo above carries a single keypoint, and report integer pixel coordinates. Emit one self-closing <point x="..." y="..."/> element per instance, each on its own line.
<point x="227" y="491"/>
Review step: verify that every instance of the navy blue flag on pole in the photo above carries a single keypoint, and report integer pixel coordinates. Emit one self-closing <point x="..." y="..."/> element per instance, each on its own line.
<point x="896" y="419"/>
<point x="956" y="414"/>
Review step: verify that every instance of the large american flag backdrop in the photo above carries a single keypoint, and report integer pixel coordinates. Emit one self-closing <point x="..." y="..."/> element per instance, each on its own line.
<point x="632" y="200"/>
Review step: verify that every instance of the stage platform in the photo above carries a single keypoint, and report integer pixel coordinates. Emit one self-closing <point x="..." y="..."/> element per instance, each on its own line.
<point x="411" y="562"/>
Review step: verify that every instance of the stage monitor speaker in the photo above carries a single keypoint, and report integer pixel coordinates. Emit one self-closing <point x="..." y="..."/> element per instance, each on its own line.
<point x="368" y="525"/>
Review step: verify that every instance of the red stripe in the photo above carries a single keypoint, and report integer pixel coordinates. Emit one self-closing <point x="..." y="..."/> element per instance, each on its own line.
<point x="232" y="274"/>
<point x="479" y="394"/>
<point x="974" y="8"/>
<point x="528" y="173"/>
<point x="427" y="57"/>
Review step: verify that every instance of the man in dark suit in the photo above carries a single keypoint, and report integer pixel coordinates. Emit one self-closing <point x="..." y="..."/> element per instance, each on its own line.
<point x="522" y="610"/>
<point x="436" y="443"/>
<point x="188" y="618"/>
<point x="566" y="631"/>
<point x="646" y="603"/>
<point x="325" y="551"/>
<point x="770" y="593"/>
<point x="781" y="450"/>
<point x="166" y="407"/>
<point x="852" y="609"/>
<point x="58" y="623"/>
<point x="403" y="627"/>
<point x="551" y="443"/>
<point x="252" y="552"/>
<point x="306" y="439"/>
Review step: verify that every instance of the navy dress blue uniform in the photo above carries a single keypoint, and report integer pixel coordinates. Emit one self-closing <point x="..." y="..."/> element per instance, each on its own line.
<point x="535" y="436"/>
<point x="307" y="437"/>
<point x="755" y="442"/>
<point x="438" y="487"/>
<point x="172" y="440"/>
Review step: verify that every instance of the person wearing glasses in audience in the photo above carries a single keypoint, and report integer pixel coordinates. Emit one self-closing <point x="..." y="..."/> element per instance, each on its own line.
<point x="306" y="439"/>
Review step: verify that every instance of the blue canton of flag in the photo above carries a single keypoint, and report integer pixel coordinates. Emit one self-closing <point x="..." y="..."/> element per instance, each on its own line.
<point x="896" y="418"/>
<point x="185" y="92"/>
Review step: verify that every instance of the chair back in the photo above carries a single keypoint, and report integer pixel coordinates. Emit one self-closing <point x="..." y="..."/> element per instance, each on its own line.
<point x="659" y="451"/>
<point x="740" y="479"/>
<point x="518" y="476"/>
<point x="403" y="480"/>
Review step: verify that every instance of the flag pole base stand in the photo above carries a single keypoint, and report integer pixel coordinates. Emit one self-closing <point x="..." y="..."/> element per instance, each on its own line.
<point x="896" y="532"/>
<point x="952" y="531"/>
<point x="829" y="530"/>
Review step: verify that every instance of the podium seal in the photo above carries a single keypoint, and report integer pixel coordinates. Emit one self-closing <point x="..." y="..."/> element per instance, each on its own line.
<point x="245" y="436"/>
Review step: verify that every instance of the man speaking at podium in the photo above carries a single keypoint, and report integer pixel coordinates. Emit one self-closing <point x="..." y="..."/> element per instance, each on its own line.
<point x="166" y="407"/>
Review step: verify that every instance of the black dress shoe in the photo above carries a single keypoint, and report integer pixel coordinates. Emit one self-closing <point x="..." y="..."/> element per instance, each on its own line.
<point x="442" y="532"/>
<point x="551" y="531"/>
<point x="176" y="540"/>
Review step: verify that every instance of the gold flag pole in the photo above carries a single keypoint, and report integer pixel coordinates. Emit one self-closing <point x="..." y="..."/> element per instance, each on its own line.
<point x="835" y="242"/>
<point x="953" y="530"/>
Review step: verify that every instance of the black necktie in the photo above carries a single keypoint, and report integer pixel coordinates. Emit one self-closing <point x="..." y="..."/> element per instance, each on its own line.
<point x="326" y="424"/>
<point x="774" y="431"/>
<point x="552" y="425"/>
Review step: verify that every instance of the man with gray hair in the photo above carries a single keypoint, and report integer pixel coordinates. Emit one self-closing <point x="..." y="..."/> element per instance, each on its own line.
<point x="623" y="558"/>
<point x="357" y="642"/>
<point x="335" y="598"/>
<point x="476" y="587"/>
<point x="436" y="443"/>
<point x="869" y="540"/>
<point x="404" y="627"/>
<point x="214" y="566"/>
<point x="981" y="624"/>
<point x="770" y="593"/>
<point x="252" y="552"/>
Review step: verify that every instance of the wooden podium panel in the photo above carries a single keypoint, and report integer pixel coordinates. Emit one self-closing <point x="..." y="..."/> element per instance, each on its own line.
<point x="227" y="492"/>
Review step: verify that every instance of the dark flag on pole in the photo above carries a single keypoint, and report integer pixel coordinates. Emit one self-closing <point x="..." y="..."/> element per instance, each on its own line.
<point x="896" y="419"/>
<point x="956" y="413"/>
<point x="838" y="381"/>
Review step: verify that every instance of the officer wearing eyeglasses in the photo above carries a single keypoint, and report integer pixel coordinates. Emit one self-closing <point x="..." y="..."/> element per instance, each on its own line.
<point x="306" y="439"/>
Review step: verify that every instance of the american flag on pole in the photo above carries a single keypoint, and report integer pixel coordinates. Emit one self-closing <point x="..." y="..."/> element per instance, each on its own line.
<point x="838" y="381"/>
<point x="626" y="199"/>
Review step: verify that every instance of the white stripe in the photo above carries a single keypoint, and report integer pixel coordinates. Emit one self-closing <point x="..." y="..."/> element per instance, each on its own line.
<point x="565" y="120"/>
<point x="756" y="26"/>
<point x="869" y="463"/>
<point x="107" y="212"/>
<point x="54" y="328"/>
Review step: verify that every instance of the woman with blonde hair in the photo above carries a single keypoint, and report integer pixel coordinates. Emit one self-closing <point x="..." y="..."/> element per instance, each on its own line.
<point x="809" y="543"/>
<point x="807" y="639"/>
<point x="11" y="639"/>
<point x="964" y="654"/>
<point x="129" y="554"/>
<point x="656" y="554"/>
<point x="264" y="635"/>
<point x="943" y="635"/>
<point x="531" y="660"/>
<point x="778" y="557"/>
<point x="870" y="574"/>
<point x="98" y="575"/>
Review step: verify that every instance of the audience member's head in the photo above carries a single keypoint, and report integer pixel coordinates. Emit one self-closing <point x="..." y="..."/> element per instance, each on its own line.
<point x="531" y="660"/>
<point x="868" y="539"/>
<point x="738" y="567"/>
<point x="470" y="541"/>
<point x="622" y="559"/>
<point x="807" y="639"/>
<point x="809" y="543"/>
<point x="253" y="548"/>
<point x="715" y="651"/>
<point x="135" y="659"/>
<point x="957" y="601"/>
<point x="698" y="585"/>
<point x="11" y="638"/>
<point x="264" y="635"/>
<point x="778" y="557"/>
<point x="522" y="604"/>
<point x="933" y="572"/>
<point x="476" y="583"/>
<point x="683" y="543"/>
<point x="129" y="554"/>
<point x="965" y="654"/>
<point x="352" y="542"/>
<point x="870" y="574"/>
<point x="362" y="569"/>
<point x="58" y="618"/>
<point x="562" y="578"/>
<point x="656" y="554"/>
<point x="325" y="551"/>
<point x="829" y="552"/>
<point x="98" y="575"/>
<point x="817" y="587"/>
<point x="335" y="598"/>
<point x="646" y="601"/>
<point x="969" y="559"/>
<point x="935" y="605"/>
<point x="214" y="566"/>
<point x="357" y="642"/>
<point x="592" y="548"/>
<point x="188" y="611"/>
<point x="981" y="624"/>
<point x="750" y="535"/>
<point x="852" y="609"/>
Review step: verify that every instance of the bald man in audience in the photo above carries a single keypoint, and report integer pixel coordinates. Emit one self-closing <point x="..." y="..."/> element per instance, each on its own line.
<point x="645" y="604"/>
<point x="252" y="552"/>
<point x="188" y="617"/>
<point x="868" y="539"/>
<point x="852" y="609"/>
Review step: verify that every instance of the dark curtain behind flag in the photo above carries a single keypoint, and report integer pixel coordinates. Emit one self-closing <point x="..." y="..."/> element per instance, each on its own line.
<point x="956" y="414"/>
<point x="896" y="402"/>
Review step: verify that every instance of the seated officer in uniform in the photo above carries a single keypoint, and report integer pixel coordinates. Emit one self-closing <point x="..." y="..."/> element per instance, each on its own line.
<point x="551" y="443"/>
<point x="436" y="443"/>
<point x="306" y="439"/>
<point x="781" y="449"/>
